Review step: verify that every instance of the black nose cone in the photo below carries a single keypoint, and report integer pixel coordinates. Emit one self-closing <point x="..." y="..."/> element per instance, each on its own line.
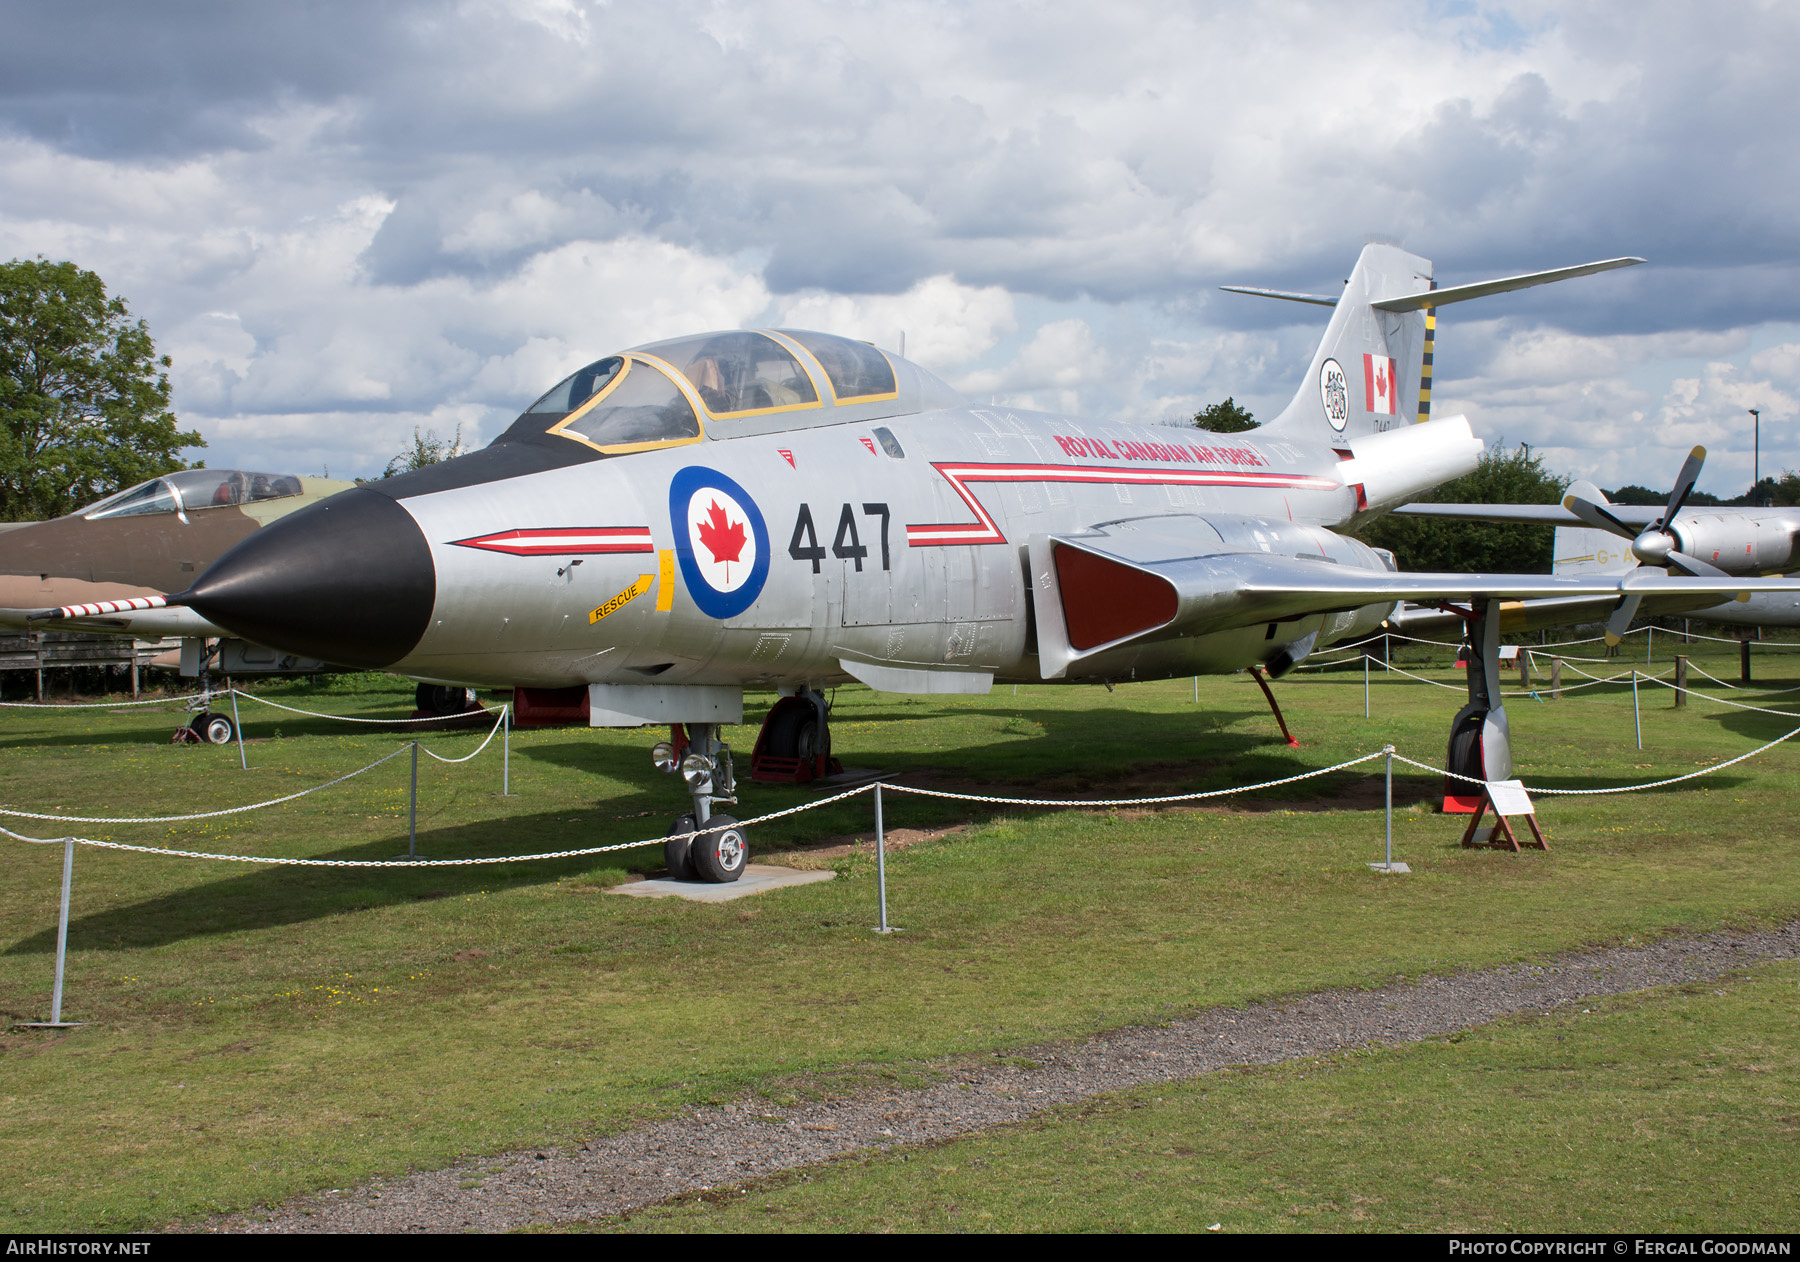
<point x="348" y="580"/>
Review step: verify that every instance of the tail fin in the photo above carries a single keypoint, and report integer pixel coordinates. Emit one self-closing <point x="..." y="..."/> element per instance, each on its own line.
<point x="1372" y="370"/>
<point x="1366" y="375"/>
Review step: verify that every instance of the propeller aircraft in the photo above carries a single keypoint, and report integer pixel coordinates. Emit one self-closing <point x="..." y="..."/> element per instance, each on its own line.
<point x="1710" y="541"/>
<point x="781" y="509"/>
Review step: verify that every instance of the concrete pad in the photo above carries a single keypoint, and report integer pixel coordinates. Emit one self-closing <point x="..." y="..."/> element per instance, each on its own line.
<point x="1399" y="869"/>
<point x="757" y="878"/>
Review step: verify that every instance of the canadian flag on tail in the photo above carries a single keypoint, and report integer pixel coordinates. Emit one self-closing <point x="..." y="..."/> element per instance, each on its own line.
<point x="1378" y="384"/>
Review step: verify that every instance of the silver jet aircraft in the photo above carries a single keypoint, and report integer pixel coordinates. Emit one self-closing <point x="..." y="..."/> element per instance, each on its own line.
<point x="782" y="509"/>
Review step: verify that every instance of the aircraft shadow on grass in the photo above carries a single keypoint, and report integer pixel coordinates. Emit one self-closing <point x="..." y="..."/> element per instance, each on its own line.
<point x="279" y="895"/>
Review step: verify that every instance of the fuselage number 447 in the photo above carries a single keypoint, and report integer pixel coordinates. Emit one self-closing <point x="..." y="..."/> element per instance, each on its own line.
<point x="846" y="545"/>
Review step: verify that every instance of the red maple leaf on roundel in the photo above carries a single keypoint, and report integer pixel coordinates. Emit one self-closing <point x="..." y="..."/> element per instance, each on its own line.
<point x="722" y="537"/>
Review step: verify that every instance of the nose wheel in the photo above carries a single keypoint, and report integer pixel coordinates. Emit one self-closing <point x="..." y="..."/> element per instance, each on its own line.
<point x="677" y="848"/>
<point x="721" y="853"/>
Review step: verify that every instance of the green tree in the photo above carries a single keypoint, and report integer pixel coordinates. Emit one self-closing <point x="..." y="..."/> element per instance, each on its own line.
<point x="1513" y="476"/>
<point x="1224" y="418"/>
<point x="427" y="448"/>
<point x="84" y="400"/>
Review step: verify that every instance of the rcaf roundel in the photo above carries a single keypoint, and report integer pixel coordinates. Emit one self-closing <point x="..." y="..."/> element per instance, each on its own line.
<point x="720" y="540"/>
<point x="1378" y="384"/>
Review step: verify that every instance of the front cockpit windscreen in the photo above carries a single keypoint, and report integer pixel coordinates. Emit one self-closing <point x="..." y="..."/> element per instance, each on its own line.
<point x="191" y="489"/>
<point x="636" y="404"/>
<point x="857" y="370"/>
<point x="739" y="373"/>
<point x="578" y="387"/>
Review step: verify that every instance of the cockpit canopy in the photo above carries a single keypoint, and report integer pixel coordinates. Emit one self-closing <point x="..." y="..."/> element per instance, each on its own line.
<point x="192" y="489"/>
<point x="725" y="385"/>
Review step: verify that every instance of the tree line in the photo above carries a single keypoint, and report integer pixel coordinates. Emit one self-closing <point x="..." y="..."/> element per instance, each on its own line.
<point x="84" y="412"/>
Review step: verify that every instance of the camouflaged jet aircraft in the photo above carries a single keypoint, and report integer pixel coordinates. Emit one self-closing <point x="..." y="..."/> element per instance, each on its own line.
<point x="781" y="509"/>
<point x="97" y="564"/>
<point x="95" y="568"/>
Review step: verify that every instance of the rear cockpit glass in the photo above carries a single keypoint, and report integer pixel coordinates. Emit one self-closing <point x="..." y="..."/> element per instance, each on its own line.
<point x="739" y="373"/>
<point x="638" y="405"/>
<point x="577" y="388"/>
<point x="857" y="370"/>
<point x="192" y="489"/>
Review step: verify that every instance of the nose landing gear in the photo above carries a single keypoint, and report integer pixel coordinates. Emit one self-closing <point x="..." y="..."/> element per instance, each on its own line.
<point x="720" y="853"/>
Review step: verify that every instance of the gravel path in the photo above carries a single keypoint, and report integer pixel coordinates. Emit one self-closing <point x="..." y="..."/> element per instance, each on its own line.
<point x="752" y="1138"/>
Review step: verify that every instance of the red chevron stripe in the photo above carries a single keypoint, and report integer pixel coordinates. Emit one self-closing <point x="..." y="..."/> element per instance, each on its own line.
<point x="984" y="529"/>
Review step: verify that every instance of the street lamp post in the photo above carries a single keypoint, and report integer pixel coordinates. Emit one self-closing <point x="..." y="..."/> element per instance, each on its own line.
<point x="1756" y="466"/>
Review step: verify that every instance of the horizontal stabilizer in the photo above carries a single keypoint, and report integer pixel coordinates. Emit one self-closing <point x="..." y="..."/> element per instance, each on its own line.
<point x="1317" y="300"/>
<point x="1481" y="289"/>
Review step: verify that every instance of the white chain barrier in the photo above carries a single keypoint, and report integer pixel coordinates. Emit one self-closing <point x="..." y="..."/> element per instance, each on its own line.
<point x="1735" y="705"/>
<point x="1768" y="692"/>
<point x="1623" y="788"/>
<point x="100" y="705"/>
<point x="254" y="806"/>
<point x="439" y="863"/>
<point x="176" y="819"/>
<point x="808" y="806"/>
<point x="502" y="713"/>
<point x="347" y="718"/>
<point x="499" y="718"/>
<point x="1172" y="797"/>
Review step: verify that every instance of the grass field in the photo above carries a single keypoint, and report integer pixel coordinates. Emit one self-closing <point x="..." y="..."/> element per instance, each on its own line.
<point x="258" y="1031"/>
<point x="1674" y="1112"/>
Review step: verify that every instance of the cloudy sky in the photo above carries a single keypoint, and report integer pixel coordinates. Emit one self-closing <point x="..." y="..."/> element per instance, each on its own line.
<point x="343" y="221"/>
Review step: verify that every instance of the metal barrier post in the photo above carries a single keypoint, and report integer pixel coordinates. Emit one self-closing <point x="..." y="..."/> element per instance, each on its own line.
<point x="237" y="725"/>
<point x="1390" y="807"/>
<point x="412" y="814"/>
<point x="1387" y="863"/>
<point x="506" y="750"/>
<point x="881" y="863"/>
<point x="62" y="951"/>
<point x="62" y="933"/>
<point x="1744" y="660"/>
<point x="1636" y="713"/>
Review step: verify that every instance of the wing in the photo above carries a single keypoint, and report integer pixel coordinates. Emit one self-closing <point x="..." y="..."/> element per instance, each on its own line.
<point x="1136" y="582"/>
<point x="1526" y="514"/>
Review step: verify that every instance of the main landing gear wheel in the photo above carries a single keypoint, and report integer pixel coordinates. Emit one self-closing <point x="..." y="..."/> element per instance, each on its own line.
<point x="677" y="848"/>
<point x="720" y="853"/>
<point x="443" y="699"/>
<point x="796" y="733"/>
<point x="214" y="729"/>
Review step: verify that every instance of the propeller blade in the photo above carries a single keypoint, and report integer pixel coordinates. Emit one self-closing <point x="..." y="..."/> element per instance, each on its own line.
<point x="1690" y="473"/>
<point x="1620" y="622"/>
<point x="1598" y="517"/>
<point x="1695" y="566"/>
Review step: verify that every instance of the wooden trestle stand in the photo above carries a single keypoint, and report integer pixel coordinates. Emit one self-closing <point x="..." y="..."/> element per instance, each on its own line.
<point x="1505" y="798"/>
